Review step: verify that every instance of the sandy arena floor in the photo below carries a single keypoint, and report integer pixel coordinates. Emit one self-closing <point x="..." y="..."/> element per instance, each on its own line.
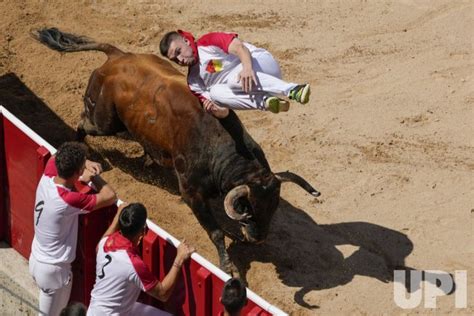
<point x="387" y="137"/>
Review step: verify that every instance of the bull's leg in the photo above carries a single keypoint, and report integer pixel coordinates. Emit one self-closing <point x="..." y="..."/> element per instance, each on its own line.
<point x="203" y="214"/>
<point x="80" y="133"/>
<point x="155" y="154"/>
<point x="99" y="116"/>
<point x="84" y="128"/>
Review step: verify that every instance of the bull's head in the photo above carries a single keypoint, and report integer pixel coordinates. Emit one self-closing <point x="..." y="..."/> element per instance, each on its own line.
<point x="253" y="205"/>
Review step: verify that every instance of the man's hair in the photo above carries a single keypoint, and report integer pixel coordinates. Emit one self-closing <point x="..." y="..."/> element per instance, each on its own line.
<point x="234" y="296"/>
<point x="132" y="220"/>
<point x="74" y="309"/>
<point x="70" y="158"/>
<point x="166" y="42"/>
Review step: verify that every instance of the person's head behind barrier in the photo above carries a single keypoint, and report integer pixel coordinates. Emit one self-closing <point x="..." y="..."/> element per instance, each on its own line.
<point x="234" y="296"/>
<point x="70" y="159"/>
<point x="74" y="309"/>
<point x="132" y="220"/>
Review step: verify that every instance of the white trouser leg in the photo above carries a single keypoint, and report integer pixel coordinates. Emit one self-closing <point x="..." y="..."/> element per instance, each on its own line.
<point x="267" y="71"/>
<point x="55" y="283"/>
<point x="147" y="310"/>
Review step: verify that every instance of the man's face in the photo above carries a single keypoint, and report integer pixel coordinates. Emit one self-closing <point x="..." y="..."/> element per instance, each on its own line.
<point x="181" y="52"/>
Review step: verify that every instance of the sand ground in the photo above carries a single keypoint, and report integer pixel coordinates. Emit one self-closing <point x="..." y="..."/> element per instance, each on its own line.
<point x="387" y="137"/>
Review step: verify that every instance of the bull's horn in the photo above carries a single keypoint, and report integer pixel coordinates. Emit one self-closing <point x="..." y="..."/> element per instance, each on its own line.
<point x="231" y="197"/>
<point x="288" y="176"/>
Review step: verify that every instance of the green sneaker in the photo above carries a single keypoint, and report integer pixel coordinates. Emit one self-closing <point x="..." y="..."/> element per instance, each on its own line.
<point x="300" y="93"/>
<point x="276" y="105"/>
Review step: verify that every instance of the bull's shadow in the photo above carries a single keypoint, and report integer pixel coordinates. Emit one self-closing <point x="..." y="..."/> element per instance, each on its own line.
<point x="306" y="253"/>
<point x="153" y="174"/>
<point x="17" y="98"/>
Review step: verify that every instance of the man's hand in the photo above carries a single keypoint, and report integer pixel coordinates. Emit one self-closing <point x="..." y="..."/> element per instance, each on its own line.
<point x="247" y="76"/>
<point x="209" y="106"/>
<point x="214" y="109"/>
<point x="87" y="175"/>
<point x="121" y="207"/>
<point x="94" y="167"/>
<point x="184" y="252"/>
<point x="247" y="79"/>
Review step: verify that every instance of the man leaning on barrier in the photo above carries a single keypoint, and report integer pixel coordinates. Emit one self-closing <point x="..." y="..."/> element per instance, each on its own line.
<point x="121" y="273"/>
<point x="57" y="208"/>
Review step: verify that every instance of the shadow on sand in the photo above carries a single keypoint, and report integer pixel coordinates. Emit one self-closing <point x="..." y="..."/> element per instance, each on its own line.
<point x="17" y="98"/>
<point x="306" y="254"/>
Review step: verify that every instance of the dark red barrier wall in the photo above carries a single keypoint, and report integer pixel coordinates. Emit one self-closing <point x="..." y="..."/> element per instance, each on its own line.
<point x="198" y="291"/>
<point x="24" y="164"/>
<point x="3" y="185"/>
<point x="91" y="228"/>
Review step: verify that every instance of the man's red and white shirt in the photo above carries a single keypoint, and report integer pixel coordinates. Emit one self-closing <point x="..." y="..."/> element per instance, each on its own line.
<point x="121" y="275"/>
<point x="56" y="218"/>
<point x="214" y="63"/>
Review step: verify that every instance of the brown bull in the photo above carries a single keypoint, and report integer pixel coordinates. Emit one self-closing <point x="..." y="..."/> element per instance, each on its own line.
<point x="144" y="95"/>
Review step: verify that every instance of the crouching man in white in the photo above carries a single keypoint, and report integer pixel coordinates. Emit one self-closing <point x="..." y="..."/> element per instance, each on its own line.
<point x="57" y="208"/>
<point x="121" y="273"/>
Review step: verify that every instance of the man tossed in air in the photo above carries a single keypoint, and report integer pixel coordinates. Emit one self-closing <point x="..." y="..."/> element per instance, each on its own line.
<point x="225" y="72"/>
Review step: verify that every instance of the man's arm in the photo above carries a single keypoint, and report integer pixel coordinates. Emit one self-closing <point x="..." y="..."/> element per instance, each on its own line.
<point x="105" y="193"/>
<point x="247" y="75"/>
<point x="196" y="85"/>
<point x="163" y="290"/>
<point x="114" y="226"/>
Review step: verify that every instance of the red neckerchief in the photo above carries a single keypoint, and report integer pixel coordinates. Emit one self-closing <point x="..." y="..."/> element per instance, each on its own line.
<point x="117" y="241"/>
<point x="192" y="43"/>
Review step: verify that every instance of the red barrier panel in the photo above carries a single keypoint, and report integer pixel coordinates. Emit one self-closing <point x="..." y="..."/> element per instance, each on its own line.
<point x="198" y="291"/>
<point x="3" y="185"/>
<point x="24" y="163"/>
<point x="91" y="228"/>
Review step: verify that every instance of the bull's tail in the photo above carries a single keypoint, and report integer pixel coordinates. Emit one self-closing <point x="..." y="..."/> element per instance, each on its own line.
<point x="66" y="42"/>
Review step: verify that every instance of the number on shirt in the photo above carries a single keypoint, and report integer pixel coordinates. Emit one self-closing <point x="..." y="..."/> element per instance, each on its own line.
<point x="109" y="260"/>
<point x="39" y="209"/>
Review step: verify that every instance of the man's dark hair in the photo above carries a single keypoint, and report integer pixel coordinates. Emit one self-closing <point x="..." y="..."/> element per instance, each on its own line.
<point x="132" y="220"/>
<point x="74" y="309"/>
<point x="234" y="296"/>
<point x="70" y="158"/>
<point x="166" y="41"/>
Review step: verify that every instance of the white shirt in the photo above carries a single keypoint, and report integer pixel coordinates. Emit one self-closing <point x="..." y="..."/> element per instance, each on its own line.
<point x="56" y="218"/>
<point x="215" y="65"/>
<point x="120" y="277"/>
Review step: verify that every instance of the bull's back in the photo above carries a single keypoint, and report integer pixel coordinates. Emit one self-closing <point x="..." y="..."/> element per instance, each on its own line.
<point x="152" y="100"/>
